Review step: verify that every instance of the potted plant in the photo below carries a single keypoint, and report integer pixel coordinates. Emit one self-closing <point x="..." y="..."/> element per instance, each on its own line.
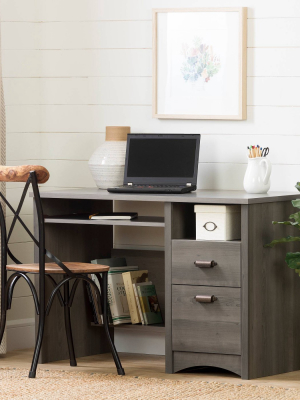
<point x="292" y="259"/>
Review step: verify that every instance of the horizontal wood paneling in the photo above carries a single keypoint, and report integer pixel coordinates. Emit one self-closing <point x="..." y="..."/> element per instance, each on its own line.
<point x="273" y="91"/>
<point x="67" y="146"/>
<point x="19" y="234"/>
<point x="266" y="91"/>
<point x="77" y="35"/>
<point x="104" y="90"/>
<point x="13" y="194"/>
<point x="80" y="146"/>
<point x="81" y="63"/>
<point x="21" y="289"/>
<point x="71" y="118"/>
<point x="23" y="252"/>
<point x="273" y="61"/>
<point x="22" y="308"/>
<point x="275" y="32"/>
<point x="83" y="10"/>
<point x="39" y="63"/>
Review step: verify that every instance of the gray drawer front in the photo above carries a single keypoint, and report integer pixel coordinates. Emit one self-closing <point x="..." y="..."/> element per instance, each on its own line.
<point x="225" y="254"/>
<point x="206" y="327"/>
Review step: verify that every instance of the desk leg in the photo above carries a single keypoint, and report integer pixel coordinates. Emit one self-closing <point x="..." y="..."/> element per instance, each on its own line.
<point x="168" y="288"/>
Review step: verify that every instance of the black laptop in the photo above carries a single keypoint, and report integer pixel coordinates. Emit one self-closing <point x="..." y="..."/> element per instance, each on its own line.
<point x="160" y="163"/>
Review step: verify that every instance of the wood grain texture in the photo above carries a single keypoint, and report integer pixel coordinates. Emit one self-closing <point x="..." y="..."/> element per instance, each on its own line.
<point x="81" y="244"/>
<point x="52" y="268"/>
<point x="184" y="224"/>
<point x="184" y="360"/>
<point x="245" y="291"/>
<point x="206" y="327"/>
<point x="225" y="254"/>
<point x="274" y="295"/>
<point x="169" y="221"/>
<point x="21" y="173"/>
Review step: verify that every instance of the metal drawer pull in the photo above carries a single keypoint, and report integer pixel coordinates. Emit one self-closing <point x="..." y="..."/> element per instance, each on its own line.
<point x="205" y="264"/>
<point x="205" y="299"/>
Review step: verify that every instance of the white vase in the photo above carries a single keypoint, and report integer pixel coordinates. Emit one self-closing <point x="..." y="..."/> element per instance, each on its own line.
<point x="257" y="177"/>
<point x="108" y="161"/>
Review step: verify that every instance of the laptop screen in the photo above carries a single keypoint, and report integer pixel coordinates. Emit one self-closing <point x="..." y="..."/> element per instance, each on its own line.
<point x="162" y="158"/>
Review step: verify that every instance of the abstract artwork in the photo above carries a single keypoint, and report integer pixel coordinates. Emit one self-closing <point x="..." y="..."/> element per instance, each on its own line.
<point x="199" y="63"/>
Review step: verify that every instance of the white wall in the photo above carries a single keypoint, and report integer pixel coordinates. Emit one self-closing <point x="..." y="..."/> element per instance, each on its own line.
<point x="71" y="67"/>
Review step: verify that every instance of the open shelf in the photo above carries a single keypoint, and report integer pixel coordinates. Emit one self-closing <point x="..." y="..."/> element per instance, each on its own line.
<point x="140" y="221"/>
<point x="138" y="327"/>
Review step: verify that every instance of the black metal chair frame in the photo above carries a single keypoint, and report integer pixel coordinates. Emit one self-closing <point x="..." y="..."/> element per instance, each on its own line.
<point x="66" y="300"/>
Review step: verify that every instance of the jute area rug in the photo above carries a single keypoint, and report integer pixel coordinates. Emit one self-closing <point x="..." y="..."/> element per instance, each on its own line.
<point x="54" y="384"/>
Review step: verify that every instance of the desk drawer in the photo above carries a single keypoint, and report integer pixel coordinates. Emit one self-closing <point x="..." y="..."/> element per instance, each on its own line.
<point x="226" y="254"/>
<point x="206" y="327"/>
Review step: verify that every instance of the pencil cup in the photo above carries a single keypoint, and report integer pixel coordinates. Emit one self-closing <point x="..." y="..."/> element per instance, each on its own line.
<point x="257" y="177"/>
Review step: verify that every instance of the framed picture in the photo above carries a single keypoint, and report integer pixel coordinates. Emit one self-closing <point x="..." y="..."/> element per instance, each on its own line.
<point x="199" y="63"/>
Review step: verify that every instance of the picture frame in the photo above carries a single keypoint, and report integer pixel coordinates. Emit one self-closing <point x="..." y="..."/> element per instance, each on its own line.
<point x="200" y="63"/>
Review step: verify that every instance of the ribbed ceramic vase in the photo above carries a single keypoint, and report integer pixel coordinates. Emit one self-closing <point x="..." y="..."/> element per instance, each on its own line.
<point x="108" y="161"/>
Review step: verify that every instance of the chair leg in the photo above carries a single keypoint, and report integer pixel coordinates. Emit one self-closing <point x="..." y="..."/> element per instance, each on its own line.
<point x="106" y="326"/>
<point x="68" y="327"/>
<point x="2" y="322"/>
<point x="38" y="344"/>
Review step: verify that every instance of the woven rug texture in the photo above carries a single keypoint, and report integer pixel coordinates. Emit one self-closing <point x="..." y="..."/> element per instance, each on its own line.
<point x="54" y="384"/>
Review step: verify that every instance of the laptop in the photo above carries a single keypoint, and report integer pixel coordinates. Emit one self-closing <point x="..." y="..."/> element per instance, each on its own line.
<point x="160" y="163"/>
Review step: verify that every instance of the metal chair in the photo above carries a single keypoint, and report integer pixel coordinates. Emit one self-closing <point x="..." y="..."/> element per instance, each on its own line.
<point x="34" y="175"/>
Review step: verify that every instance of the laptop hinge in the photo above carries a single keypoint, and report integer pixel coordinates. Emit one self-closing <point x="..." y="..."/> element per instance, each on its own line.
<point x="188" y="184"/>
<point x="129" y="184"/>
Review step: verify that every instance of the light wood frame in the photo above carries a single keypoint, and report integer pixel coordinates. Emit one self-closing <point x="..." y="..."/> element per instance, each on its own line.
<point x="242" y="114"/>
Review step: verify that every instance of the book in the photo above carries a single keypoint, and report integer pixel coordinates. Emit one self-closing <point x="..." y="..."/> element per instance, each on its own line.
<point x="111" y="262"/>
<point x="97" y="311"/>
<point x="114" y="215"/>
<point x="117" y="298"/>
<point x="90" y="297"/>
<point x="149" y="304"/>
<point x="118" y="262"/>
<point x="129" y="279"/>
<point x="134" y="285"/>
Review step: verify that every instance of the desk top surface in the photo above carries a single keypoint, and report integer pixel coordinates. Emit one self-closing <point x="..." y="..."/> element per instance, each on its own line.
<point x="198" y="196"/>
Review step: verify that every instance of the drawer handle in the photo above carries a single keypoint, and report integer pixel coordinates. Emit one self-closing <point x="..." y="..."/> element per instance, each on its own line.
<point x="214" y="227"/>
<point x="205" y="299"/>
<point x="205" y="264"/>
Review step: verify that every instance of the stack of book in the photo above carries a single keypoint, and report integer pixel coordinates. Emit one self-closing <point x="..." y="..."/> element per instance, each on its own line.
<point x="132" y="297"/>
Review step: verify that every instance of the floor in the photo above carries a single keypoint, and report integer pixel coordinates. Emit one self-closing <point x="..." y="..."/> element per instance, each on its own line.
<point x="146" y="365"/>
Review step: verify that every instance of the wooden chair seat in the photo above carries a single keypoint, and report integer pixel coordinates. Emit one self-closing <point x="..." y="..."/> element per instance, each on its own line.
<point x="52" y="268"/>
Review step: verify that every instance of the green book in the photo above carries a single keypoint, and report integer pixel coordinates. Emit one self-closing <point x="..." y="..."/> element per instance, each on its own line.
<point x="111" y="262"/>
<point x="149" y="304"/>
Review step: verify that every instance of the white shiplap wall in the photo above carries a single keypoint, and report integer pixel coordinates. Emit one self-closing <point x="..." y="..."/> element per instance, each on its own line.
<point x="72" y="67"/>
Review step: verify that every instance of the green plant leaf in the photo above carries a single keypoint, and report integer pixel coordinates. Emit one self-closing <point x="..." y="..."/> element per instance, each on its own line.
<point x="296" y="203"/>
<point x="296" y="217"/>
<point x="298" y="186"/>
<point x="286" y="223"/>
<point x="293" y="260"/>
<point x="287" y="239"/>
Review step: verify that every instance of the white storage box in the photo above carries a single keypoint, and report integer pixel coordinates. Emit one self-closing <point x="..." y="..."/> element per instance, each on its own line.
<point x="218" y="222"/>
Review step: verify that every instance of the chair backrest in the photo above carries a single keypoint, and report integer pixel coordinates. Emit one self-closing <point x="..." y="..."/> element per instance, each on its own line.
<point x="31" y="175"/>
<point x="21" y="173"/>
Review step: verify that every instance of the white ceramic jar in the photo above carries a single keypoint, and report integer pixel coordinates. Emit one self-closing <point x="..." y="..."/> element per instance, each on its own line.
<point x="108" y="161"/>
<point x="257" y="177"/>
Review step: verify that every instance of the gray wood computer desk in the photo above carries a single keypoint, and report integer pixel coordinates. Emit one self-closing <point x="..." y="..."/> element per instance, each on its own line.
<point x="252" y="329"/>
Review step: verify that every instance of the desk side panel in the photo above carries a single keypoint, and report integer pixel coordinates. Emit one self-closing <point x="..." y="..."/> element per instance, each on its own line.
<point x="274" y="294"/>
